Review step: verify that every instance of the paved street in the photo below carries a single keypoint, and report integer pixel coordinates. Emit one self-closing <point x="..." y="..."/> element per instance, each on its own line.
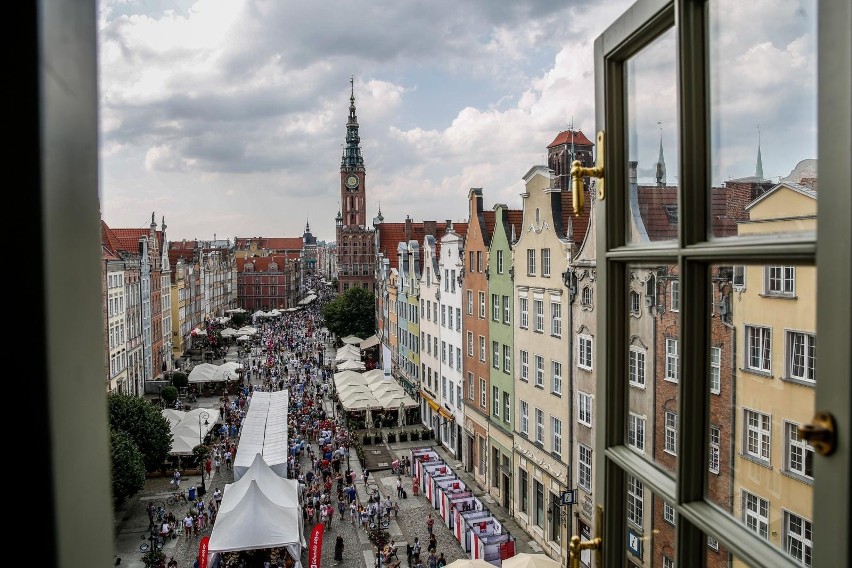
<point x="132" y="519"/>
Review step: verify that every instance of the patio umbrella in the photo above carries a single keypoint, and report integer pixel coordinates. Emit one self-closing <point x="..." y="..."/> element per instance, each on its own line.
<point x="469" y="563"/>
<point x="527" y="560"/>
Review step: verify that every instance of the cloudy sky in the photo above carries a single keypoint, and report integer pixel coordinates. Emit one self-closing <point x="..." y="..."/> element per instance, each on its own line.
<point x="227" y="117"/>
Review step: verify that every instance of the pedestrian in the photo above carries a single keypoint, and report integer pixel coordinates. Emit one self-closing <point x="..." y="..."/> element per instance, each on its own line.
<point x="208" y="467"/>
<point x="399" y="487"/>
<point x="338" y="550"/>
<point x="430" y="522"/>
<point x="409" y="553"/>
<point x="176" y="480"/>
<point x="433" y="543"/>
<point x="432" y="561"/>
<point x="442" y="561"/>
<point x="217" y="463"/>
<point x="228" y="458"/>
<point x="415" y="550"/>
<point x="187" y="526"/>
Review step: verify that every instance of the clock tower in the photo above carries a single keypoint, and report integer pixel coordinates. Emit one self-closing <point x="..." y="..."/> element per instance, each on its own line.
<point x="355" y="240"/>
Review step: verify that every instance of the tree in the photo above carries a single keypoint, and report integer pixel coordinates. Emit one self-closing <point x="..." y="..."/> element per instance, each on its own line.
<point x="144" y="424"/>
<point x="169" y="395"/>
<point x="351" y="313"/>
<point x="238" y="319"/>
<point x="128" y="466"/>
<point x="180" y="380"/>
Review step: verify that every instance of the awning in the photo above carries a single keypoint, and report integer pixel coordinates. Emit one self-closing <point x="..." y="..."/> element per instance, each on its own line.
<point x="433" y="405"/>
<point x="445" y="413"/>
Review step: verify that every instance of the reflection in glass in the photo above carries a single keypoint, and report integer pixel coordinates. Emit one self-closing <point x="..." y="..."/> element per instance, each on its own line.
<point x="651" y="526"/>
<point x="653" y="362"/>
<point x="762" y="373"/>
<point x="652" y="133"/>
<point x="763" y="115"/>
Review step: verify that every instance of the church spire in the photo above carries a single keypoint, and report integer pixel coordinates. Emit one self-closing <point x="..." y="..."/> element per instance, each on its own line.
<point x="352" y="150"/>
<point x="661" y="162"/>
<point x="758" y="168"/>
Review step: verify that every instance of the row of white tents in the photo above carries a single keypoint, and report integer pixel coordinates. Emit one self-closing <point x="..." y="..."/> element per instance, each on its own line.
<point x="210" y="373"/>
<point x="189" y="427"/>
<point x="371" y="390"/>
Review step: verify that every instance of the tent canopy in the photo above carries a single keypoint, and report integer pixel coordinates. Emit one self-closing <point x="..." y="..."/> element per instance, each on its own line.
<point x="352" y="340"/>
<point x="264" y="431"/>
<point x="210" y="373"/>
<point x="351" y="365"/>
<point x="189" y="428"/>
<point x="371" y="341"/>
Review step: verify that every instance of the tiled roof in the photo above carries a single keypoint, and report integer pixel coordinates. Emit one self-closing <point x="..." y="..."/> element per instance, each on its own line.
<point x="128" y="239"/>
<point x="269" y="243"/>
<point x="579" y="223"/>
<point x="566" y="136"/>
<point x="391" y="234"/>
<point x="261" y="263"/>
<point x="655" y="209"/>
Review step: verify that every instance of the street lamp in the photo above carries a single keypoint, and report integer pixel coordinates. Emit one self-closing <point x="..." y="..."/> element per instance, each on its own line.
<point x="205" y="416"/>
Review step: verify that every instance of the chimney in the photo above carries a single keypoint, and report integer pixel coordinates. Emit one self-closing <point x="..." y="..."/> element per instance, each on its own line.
<point x="632" y="165"/>
<point x="430" y="228"/>
<point x="407" y="228"/>
<point x="449" y="226"/>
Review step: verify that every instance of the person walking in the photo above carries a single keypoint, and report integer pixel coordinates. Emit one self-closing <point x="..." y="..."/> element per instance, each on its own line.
<point x="399" y="487"/>
<point x="441" y="560"/>
<point x="432" y="560"/>
<point x="430" y="522"/>
<point x="338" y="550"/>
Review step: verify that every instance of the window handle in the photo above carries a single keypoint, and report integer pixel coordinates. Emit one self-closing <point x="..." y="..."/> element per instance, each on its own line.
<point x="821" y="433"/>
<point x="578" y="172"/>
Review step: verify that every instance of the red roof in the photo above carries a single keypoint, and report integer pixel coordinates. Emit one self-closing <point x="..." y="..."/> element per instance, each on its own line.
<point x="569" y="136"/>
<point x="269" y="243"/>
<point x="261" y="263"/>
<point x="391" y="234"/>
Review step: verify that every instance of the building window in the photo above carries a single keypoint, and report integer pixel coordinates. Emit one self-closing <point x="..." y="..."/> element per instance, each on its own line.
<point x="525" y="314"/>
<point x="495" y="354"/>
<point x="636" y="367"/>
<point x="499" y="262"/>
<point x="539" y="371"/>
<point x="539" y="426"/>
<point x="584" y="352"/>
<point x="668" y="562"/>
<point x="471" y="261"/>
<point x="507" y="304"/>
<point x="469" y="302"/>
<point x="757" y="435"/>
<point x="507" y="359"/>
<point x="756" y="513"/>
<point x="715" y="370"/>
<point x="675" y="296"/>
<point x="635" y="499"/>
<point x="483" y="394"/>
<point x="470" y="387"/>
<point x="545" y="262"/>
<point x="449" y="318"/>
<point x="798" y="538"/>
<point x="482" y="305"/>
<point x="482" y="348"/>
<point x="523" y="488"/>
<point x="525" y="418"/>
<point x="758" y="348"/>
<point x="443" y="352"/>
<point x="479" y="261"/>
<point x="635" y="303"/>
<point x="556" y="429"/>
<point x="671" y="359"/>
<point x="556" y="379"/>
<point x="444" y="315"/>
<point x="801" y="358"/>
<point x="539" y="503"/>
<point x="584" y="467"/>
<point x="671" y="432"/>
<point x="584" y="408"/>
<point x="458" y="319"/>
<point x="715" y="438"/>
<point x="636" y="432"/>
<point x="525" y="366"/>
<point x="495" y="401"/>
<point x="538" y="306"/>
<point x="530" y="262"/>
<point x="495" y="307"/>
<point x="556" y="319"/>
<point x="712" y="543"/>
<point x="586" y="297"/>
<point x="507" y="408"/>
<point x="669" y="514"/>
<point x="780" y="280"/>
<point x="799" y="453"/>
<point x="470" y="344"/>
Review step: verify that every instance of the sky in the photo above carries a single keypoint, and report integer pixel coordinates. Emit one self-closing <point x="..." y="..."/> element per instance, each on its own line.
<point x="227" y="118"/>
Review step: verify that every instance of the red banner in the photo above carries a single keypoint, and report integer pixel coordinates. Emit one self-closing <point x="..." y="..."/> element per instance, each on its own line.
<point x="315" y="546"/>
<point x="202" y="552"/>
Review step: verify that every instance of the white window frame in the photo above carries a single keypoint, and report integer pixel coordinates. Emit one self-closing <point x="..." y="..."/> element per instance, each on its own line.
<point x="757" y="435"/>
<point x="798" y="453"/>
<point x="495" y="307"/>
<point x="495" y="401"/>
<point x="539" y="371"/>
<point x="481" y="305"/>
<point x="470" y="344"/>
<point x="523" y="306"/>
<point x="556" y="436"/>
<point x="584" y="467"/>
<point x="545" y="262"/>
<point x="674" y="292"/>
<point x="556" y="319"/>
<point x="507" y="359"/>
<point x="556" y="377"/>
<point x="525" y="365"/>
<point x="801" y="356"/>
<point x="495" y="354"/>
<point x="779" y="280"/>
<point x="670" y="433"/>
<point x="499" y="262"/>
<point x="539" y="425"/>
<point x="669" y="514"/>
<point x="636" y="432"/>
<point x="715" y="370"/>
<point x="585" y="351"/>
<point x="636" y="371"/>
<point x="671" y="359"/>
<point x="470" y="302"/>
<point x="798" y="537"/>
<point x="482" y="349"/>
<point x="483" y="394"/>
<point x="756" y="513"/>
<point x="507" y="310"/>
<point x="635" y="501"/>
<point x="530" y="262"/>
<point x="714" y="449"/>
<point x="585" y="403"/>
<point x="538" y="314"/>
<point x="471" y="387"/>
<point x="758" y="348"/>
<point x="524" y="418"/>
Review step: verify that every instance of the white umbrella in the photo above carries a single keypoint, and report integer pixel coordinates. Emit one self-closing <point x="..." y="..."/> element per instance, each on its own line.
<point x="469" y="563"/>
<point x="527" y="560"/>
<point x="401" y="418"/>
<point x="243" y="338"/>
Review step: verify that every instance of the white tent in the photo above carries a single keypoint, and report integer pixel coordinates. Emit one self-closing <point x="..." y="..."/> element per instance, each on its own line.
<point x="351" y="365"/>
<point x="244" y="338"/>
<point x="264" y="431"/>
<point x="351" y="340"/>
<point x="347" y="352"/>
<point x="227" y="372"/>
<point x="371" y="341"/>
<point x="342" y="378"/>
<point x="209" y="373"/>
<point x="357" y="401"/>
<point x="229" y="332"/>
<point x="256" y="521"/>
<point x="188" y="428"/>
<point x="393" y="400"/>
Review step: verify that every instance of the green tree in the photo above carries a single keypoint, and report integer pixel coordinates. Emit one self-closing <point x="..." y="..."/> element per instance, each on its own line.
<point x="128" y="466"/>
<point x="144" y="424"/>
<point x="238" y="320"/>
<point x="169" y="395"/>
<point x="351" y="313"/>
<point x="180" y="380"/>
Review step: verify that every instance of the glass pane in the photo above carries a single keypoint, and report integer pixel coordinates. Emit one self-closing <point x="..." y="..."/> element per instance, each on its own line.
<point x="653" y="355"/>
<point x="763" y="116"/>
<point x="762" y="379"/>
<point x="651" y="524"/>
<point x="652" y="124"/>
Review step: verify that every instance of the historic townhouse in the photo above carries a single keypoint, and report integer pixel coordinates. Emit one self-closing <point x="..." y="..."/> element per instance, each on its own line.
<point x="115" y="313"/>
<point x="265" y="282"/>
<point x="542" y="397"/>
<point x="480" y="355"/>
<point x="430" y="329"/>
<point x="408" y="304"/>
<point x="391" y="338"/>
<point x="499" y="273"/>
<point x="449" y="415"/>
<point x="183" y="274"/>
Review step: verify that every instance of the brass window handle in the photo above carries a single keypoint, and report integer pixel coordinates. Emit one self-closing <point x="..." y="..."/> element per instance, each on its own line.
<point x="578" y="172"/>
<point x="821" y="433"/>
<point x="577" y="546"/>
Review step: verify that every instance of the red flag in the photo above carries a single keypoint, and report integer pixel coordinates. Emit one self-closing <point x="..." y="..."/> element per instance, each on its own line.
<point x="202" y="552"/>
<point x="315" y="546"/>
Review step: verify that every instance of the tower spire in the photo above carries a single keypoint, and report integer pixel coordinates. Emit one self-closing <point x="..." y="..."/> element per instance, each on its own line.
<point x="758" y="168"/>
<point x="661" y="161"/>
<point x="352" y="158"/>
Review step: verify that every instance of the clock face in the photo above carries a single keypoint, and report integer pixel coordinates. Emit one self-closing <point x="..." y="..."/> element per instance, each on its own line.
<point x="352" y="182"/>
